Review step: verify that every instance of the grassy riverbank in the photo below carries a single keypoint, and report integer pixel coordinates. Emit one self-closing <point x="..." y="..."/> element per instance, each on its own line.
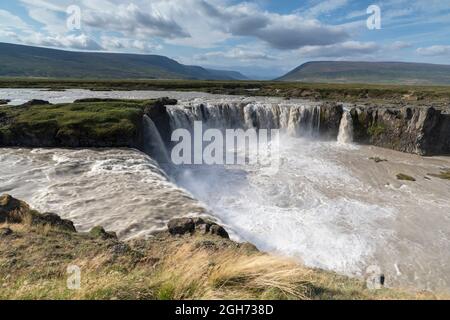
<point x="35" y="252"/>
<point x="85" y="123"/>
<point x="342" y="92"/>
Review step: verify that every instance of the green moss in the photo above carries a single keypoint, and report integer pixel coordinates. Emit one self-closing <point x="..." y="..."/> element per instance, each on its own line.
<point x="443" y="175"/>
<point x="376" y="129"/>
<point x="378" y="159"/>
<point x="111" y="123"/>
<point x="405" y="177"/>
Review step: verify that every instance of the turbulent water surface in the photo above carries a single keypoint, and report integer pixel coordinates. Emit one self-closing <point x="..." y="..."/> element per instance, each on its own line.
<point x="329" y="205"/>
<point x="122" y="190"/>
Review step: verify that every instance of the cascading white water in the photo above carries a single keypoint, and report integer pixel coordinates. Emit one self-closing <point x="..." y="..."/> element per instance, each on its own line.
<point x="154" y="144"/>
<point x="330" y="208"/>
<point x="345" y="135"/>
<point x="295" y="119"/>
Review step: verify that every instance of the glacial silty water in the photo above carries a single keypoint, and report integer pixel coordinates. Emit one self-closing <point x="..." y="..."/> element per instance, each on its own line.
<point x="154" y="143"/>
<point x="294" y="119"/>
<point x="345" y="135"/>
<point x="123" y="190"/>
<point x="329" y="205"/>
<point x="20" y="96"/>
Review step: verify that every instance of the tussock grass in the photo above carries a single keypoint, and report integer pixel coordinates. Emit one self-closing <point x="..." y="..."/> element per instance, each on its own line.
<point x="163" y="268"/>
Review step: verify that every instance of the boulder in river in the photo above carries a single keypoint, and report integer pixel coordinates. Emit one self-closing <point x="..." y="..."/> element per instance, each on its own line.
<point x="35" y="102"/>
<point x="16" y="211"/>
<point x="182" y="226"/>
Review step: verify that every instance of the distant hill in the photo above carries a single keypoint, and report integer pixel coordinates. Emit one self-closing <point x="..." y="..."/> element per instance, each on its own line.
<point x="370" y="72"/>
<point x="26" y="61"/>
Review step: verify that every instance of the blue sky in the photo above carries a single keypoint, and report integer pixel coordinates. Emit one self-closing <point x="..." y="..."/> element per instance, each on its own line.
<point x="259" y="38"/>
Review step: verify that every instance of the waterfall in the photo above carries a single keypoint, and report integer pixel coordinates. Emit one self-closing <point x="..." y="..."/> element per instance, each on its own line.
<point x="294" y="119"/>
<point x="154" y="144"/>
<point x="346" y="128"/>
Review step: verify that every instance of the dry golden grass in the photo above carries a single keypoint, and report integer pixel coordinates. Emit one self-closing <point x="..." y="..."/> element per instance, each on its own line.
<point x="195" y="267"/>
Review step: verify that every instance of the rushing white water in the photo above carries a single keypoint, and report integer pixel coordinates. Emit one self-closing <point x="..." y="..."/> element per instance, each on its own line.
<point x="154" y="144"/>
<point x="295" y="119"/>
<point x="122" y="190"/>
<point x="346" y="129"/>
<point x="328" y="205"/>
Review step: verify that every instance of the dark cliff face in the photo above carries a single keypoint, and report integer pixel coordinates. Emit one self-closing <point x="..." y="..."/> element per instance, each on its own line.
<point x="419" y="130"/>
<point x="100" y="123"/>
<point x="330" y="119"/>
<point x="158" y="113"/>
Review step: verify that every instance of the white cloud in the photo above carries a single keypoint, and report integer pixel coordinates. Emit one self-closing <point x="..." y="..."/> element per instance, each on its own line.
<point x="340" y="50"/>
<point x="134" y="20"/>
<point x="8" y="21"/>
<point x="80" y="42"/>
<point x="323" y="7"/>
<point x="124" y="44"/>
<point x="439" y="50"/>
<point x="236" y="54"/>
<point x="285" y="32"/>
<point x="196" y="23"/>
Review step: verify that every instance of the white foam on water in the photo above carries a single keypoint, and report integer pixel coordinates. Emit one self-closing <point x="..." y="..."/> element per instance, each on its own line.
<point x="328" y="205"/>
<point x="123" y="190"/>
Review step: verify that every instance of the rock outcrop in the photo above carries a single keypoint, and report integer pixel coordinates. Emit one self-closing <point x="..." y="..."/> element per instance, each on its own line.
<point x="88" y="123"/>
<point x="100" y="232"/>
<point x="158" y="113"/>
<point x="419" y="130"/>
<point x="34" y="102"/>
<point x="330" y="119"/>
<point x="190" y="226"/>
<point x="16" y="211"/>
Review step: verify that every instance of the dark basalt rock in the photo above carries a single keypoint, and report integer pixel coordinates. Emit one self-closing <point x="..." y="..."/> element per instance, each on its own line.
<point x="181" y="226"/>
<point x="330" y="119"/>
<point x="35" y="102"/>
<point x="190" y="226"/>
<point x="419" y="130"/>
<point x="16" y="211"/>
<point x="158" y="113"/>
<point x="4" y="101"/>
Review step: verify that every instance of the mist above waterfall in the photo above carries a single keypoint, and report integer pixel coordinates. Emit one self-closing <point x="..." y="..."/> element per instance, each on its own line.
<point x="328" y="205"/>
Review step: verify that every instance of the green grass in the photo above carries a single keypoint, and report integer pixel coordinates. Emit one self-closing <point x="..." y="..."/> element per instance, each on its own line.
<point x="378" y="159"/>
<point x="34" y="259"/>
<point x="376" y="129"/>
<point x="100" y="123"/>
<point x="342" y="92"/>
<point x="443" y="175"/>
<point x="405" y="177"/>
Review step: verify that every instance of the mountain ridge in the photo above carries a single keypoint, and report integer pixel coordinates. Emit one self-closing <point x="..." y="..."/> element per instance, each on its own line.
<point x="27" y="61"/>
<point x="369" y="72"/>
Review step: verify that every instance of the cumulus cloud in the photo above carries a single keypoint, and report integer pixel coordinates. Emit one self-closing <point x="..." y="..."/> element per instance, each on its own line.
<point x="120" y="44"/>
<point x="236" y="54"/>
<point x="439" y="50"/>
<point x="81" y="42"/>
<point x="289" y="31"/>
<point x="196" y="23"/>
<point x="345" y="49"/>
<point x="134" y="20"/>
